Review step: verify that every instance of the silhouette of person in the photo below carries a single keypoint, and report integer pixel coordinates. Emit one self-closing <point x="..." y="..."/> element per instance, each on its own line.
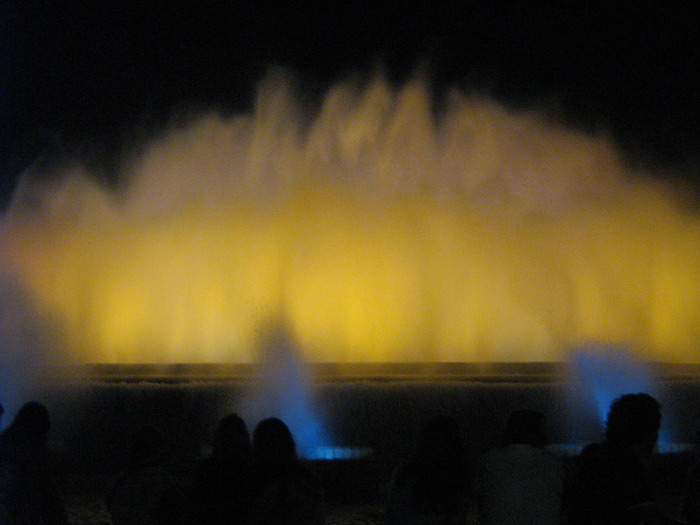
<point x="136" y="497"/>
<point x="28" y="491"/>
<point x="520" y="482"/>
<point x="691" y="500"/>
<point x="431" y="487"/>
<point x="288" y="493"/>
<point x="223" y="484"/>
<point x="612" y="483"/>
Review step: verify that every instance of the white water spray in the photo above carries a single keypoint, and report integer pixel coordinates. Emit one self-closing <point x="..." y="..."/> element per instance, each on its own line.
<point x="385" y="231"/>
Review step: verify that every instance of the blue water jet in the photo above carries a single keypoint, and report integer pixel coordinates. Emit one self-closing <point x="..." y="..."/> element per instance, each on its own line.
<point x="603" y="373"/>
<point x="283" y="389"/>
<point x="26" y="358"/>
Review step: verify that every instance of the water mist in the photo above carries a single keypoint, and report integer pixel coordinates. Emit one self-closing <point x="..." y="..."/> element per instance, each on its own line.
<point x="599" y="375"/>
<point x="389" y="232"/>
<point x="28" y="357"/>
<point x="282" y="388"/>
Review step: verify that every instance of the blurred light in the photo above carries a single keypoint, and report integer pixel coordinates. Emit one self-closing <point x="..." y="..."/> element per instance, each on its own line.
<point x="381" y="232"/>
<point x="607" y="373"/>
<point x="340" y="453"/>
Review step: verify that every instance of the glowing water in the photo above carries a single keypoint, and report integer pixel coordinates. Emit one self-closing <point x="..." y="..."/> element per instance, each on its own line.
<point x="381" y="230"/>
<point x="282" y="389"/>
<point x="24" y="347"/>
<point x="605" y="373"/>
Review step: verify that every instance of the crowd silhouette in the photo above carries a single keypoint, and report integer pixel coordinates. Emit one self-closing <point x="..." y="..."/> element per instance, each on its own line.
<point x="520" y="483"/>
<point x="261" y="480"/>
<point x="28" y="490"/>
<point x="432" y="485"/>
<point x="223" y="486"/>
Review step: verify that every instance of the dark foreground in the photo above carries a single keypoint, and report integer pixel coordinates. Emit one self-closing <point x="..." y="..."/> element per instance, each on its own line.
<point x="355" y="490"/>
<point x="93" y="421"/>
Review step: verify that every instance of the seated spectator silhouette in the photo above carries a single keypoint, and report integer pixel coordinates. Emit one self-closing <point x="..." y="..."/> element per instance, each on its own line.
<point x="520" y="482"/>
<point x="612" y="483"/>
<point x="28" y="491"/>
<point x="223" y="483"/>
<point x="691" y="501"/>
<point x="136" y="498"/>
<point x="288" y="493"/>
<point x="431" y="487"/>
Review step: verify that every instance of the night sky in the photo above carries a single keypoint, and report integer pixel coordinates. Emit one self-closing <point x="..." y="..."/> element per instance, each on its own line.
<point x="79" y="78"/>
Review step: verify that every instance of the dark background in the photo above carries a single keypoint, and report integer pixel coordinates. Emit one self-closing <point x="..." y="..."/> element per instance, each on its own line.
<point x="90" y="79"/>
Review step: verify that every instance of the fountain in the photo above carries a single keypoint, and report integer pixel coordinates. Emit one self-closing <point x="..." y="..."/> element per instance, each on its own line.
<point x="281" y="388"/>
<point x="383" y="231"/>
<point x="386" y="232"/>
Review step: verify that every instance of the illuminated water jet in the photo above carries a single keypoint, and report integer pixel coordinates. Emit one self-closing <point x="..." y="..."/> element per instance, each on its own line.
<point x="602" y="374"/>
<point x="26" y="351"/>
<point x="380" y="229"/>
<point x="282" y="388"/>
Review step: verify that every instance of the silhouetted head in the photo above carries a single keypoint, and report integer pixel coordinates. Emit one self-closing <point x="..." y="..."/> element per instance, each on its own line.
<point x="32" y="423"/>
<point x="526" y="427"/>
<point x="273" y="442"/>
<point x="231" y="438"/>
<point x="634" y="421"/>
